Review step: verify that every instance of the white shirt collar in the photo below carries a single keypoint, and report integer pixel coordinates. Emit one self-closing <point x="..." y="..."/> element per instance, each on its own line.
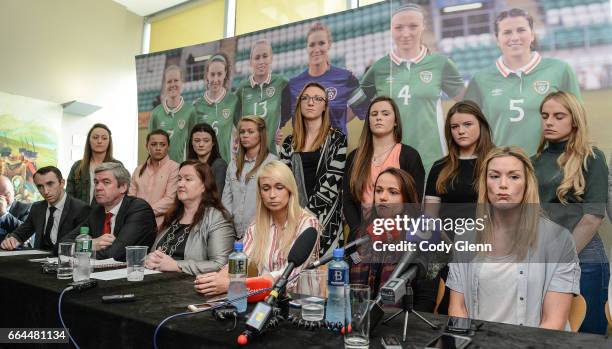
<point x="60" y="204"/>
<point x="526" y="69"/>
<point x="115" y="209"/>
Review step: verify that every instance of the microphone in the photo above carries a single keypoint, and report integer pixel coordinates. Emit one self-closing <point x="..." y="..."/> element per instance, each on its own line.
<point x="298" y="254"/>
<point x="409" y="259"/>
<point x="327" y="259"/>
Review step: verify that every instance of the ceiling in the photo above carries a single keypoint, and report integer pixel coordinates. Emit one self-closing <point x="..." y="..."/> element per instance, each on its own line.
<point x="148" y="7"/>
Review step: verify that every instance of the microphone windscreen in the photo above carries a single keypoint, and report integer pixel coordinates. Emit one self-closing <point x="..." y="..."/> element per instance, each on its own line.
<point x="302" y="247"/>
<point x="255" y="284"/>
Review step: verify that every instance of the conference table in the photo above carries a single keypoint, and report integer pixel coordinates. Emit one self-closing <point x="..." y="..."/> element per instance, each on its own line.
<point x="29" y="298"/>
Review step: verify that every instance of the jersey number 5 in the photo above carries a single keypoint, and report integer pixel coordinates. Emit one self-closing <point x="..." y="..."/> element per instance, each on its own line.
<point x="515" y="105"/>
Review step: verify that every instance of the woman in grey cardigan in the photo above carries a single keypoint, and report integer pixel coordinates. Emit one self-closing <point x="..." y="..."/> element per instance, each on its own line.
<point x="197" y="234"/>
<point x="240" y="181"/>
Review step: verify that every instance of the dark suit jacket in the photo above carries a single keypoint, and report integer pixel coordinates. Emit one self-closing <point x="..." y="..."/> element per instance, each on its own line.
<point x="134" y="225"/>
<point x="74" y="213"/>
<point x="17" y="214"/>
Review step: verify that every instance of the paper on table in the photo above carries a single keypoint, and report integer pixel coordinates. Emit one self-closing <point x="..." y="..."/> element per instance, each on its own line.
<point x="107" y="263"/>
<point x="21" y="252"/>
<point x="117" y="274"/>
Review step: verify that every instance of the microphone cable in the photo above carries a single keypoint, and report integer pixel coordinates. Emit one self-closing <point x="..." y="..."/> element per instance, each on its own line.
<point x="59" y="311"/>
<point x="226" y="302"/>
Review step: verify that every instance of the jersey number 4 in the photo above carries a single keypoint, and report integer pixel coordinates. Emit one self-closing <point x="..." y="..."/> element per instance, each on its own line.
<point x="404" y="93"/>
<point x="516" y="105"/>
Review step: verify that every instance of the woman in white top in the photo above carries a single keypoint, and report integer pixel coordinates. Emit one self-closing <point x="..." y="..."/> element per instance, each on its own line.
<point x="531" y="271"/>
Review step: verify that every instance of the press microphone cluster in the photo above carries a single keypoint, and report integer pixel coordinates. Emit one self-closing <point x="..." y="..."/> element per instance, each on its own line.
<point x="298" y="254"/>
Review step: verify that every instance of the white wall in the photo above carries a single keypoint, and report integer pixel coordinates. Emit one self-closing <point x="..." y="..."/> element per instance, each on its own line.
<point x="63" y="50"/>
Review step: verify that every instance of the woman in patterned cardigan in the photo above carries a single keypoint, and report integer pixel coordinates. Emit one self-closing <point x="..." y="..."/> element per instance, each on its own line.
<point x="316" y="154"/>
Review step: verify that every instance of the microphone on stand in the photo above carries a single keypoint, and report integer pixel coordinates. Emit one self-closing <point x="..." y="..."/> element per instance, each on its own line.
<point x="410" y="258"/>
<point x="298" y="254"/>
<point x="327" y="259"/>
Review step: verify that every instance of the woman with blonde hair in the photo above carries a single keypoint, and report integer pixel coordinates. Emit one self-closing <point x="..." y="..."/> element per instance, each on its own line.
<point x="173" y="114"/>
<point x="316" y="153"/>
<point x="526" y="269"/>
<point x="345" y="99"/>
<point x="415" y="77"/>
<point x="240" y="184"/>
<point x="279" y="220"/>
<point x="573" y="178"/>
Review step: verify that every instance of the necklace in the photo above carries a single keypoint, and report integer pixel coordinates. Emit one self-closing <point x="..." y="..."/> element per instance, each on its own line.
<point x="380" y="158"/>
<point x="166" y="246"/>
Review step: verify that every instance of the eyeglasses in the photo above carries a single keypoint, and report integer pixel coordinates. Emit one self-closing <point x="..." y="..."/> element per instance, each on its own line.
<point x="318" y="99"/>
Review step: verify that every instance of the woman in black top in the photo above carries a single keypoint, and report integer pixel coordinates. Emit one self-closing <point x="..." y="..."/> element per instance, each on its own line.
<point x="379" y="147"/>
<point x="450" y="191"/>
<point x="204" y="147"/>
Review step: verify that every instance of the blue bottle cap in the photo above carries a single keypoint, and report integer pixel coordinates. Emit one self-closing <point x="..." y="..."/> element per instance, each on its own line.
<point x="338" y="253"/>
<point x="238" y="246"/>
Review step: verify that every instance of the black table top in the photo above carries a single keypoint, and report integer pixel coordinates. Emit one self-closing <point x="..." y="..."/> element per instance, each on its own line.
<point x="29" y="299"/>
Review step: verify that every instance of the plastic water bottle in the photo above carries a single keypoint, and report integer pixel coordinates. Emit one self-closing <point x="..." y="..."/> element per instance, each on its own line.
<point x="238" y="263"/>
<point x="83" y="250"/>
<point x="337" y="279"/>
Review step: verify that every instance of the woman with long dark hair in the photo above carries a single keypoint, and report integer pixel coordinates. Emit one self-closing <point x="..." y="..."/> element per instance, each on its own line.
<point x="379" y="148"/>
<point x="204" y="147"/>
<point x="98" y="149"/>
<point x="218" y="106"/>
<point x="451" y="184"/>
<point x="155" y="180"/>
<point x="197" y="234"/>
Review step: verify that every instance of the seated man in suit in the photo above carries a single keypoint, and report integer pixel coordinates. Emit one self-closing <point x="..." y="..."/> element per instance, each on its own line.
<point x="118" y="220"/>
<point x="12" y="212"/>
<point x="52" y="218"/>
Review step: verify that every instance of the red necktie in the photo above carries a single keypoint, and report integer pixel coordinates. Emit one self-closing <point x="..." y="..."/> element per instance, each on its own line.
<point x="107" y="223"/>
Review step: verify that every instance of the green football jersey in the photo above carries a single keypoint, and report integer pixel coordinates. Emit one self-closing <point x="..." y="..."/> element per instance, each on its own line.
<point x="176" y="123"/>
<point x="511" y="102"/>
<point x="220" y="116"/>
<point x="416" y="87"/>
<point x="263" y="100"/>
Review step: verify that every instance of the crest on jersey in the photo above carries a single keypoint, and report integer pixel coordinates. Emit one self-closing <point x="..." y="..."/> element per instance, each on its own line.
<point x="389" y="79"/>
<point x="162" y="124"/>
<point x="270" y="91"/>
<point x="331" y="93"/>
<point x="226" y="113"/>
<point x="181" y="124"/>
<point x="249" y="96"/>
<point x="541" y="86"/>
<point x="496" y="92"/>
<point x="426" y="76"/>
